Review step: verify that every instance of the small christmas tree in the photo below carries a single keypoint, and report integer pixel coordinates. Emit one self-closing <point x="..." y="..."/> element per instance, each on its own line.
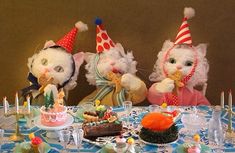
<point x="47" y="102"/>
<point x="51" y="100"/>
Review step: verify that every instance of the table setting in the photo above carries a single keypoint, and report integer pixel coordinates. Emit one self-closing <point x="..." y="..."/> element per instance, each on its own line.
<point x="131" y="116"/>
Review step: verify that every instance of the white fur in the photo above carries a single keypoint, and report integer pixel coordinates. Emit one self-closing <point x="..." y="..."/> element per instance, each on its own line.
<point x="181" y="55"/>
<point x="189" y="12"/>
<point x="49" y="43"/>
<point x="166" y="85"/>
<point x="114" y="58"/>
<point x="55" y="57"/>
<point x="130" y="82"/>
<point x="81" y="26"/>
<point x="79" y="59"/>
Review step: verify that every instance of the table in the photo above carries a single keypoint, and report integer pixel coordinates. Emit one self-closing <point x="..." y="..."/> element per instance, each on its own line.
<point x="135" y="118"/>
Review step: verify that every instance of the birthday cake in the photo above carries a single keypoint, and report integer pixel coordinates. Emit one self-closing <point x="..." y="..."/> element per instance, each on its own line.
<point x="102" y="122"/>
<point x="53" y="113"/>
<point x="158" y="128"/>
<point x="53" y="117"/>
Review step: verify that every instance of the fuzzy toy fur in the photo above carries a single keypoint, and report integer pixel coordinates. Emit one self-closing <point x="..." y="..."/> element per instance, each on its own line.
<point x="182" y="54"/>
<point x="56" y="63"/>
<point x="114" y="58"/>
<point x="117" y="61"/>
<point x="56" y="57"/>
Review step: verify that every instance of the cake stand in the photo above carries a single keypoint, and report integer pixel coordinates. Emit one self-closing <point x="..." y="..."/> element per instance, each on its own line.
<point x="52" y="131"/>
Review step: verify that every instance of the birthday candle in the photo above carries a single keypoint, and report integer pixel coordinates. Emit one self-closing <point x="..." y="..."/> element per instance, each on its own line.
<point x="5" y="104"/>
<point x="28" y="103"/>
<point x="230" y="101"/>
<point x="17" y="103"/>
<point x="222" y="100"/>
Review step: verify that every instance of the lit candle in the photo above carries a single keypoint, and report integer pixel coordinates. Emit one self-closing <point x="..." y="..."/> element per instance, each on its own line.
<point x="230" y="101"/>
<point x="222" y="100"/>
<point x="5" y="105"/>
<point x="28" y="103"/>
<point x="17" y="103"/>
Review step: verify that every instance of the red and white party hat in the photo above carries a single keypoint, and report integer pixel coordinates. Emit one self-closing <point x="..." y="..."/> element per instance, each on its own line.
<point x="184" y="35"/>
<point x="103" y="41"/>
<point x="67" y="42"/>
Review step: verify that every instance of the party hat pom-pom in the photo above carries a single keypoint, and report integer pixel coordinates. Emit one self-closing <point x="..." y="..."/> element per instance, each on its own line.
<point x="189" y="12"/>
<point x="98" y="21"/>
<point x="81" y="26"/>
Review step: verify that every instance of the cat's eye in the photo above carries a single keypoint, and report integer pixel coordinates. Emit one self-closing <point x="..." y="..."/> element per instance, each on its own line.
<point x="59" y="69"/>
<point x="172" y="61"/>
<point x="44" y="61"/>
<point x="188" y="63"/>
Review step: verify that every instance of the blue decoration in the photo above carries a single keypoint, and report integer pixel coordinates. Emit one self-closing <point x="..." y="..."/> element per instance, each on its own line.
<point x="98" y="21"/>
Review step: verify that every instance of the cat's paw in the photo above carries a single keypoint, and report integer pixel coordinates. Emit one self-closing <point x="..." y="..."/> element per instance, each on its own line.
<point x="166" y="85"/>
<point x="130" y="82"/>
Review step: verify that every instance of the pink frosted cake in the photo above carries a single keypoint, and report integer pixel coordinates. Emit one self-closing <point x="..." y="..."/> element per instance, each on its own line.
<point x="53" y="116"/>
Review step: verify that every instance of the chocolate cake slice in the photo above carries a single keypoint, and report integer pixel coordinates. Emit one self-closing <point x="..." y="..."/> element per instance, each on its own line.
<point x="92" y="130"/>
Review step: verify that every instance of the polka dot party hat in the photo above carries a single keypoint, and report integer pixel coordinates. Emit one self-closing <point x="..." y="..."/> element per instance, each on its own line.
<point x="103" y="41"/>
<point x="67" y="42"/>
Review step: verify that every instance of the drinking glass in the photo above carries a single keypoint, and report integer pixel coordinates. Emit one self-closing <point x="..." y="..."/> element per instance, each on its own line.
<point x="78" y="135"/>
<point x="64" y="136"/>
<point x="219" y="139"/>
<point x="127" y="107"/>
<point x="1" y="139"/>
<point x="154" y="108"/>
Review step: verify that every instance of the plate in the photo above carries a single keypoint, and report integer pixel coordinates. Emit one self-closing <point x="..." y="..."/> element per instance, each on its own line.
<point x="157" y="144"/>
<point x="204" y="149"/>
<point x="69" y="121"/>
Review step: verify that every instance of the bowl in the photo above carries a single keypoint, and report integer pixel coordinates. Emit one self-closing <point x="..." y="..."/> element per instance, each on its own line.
<point x="193" y="122"/>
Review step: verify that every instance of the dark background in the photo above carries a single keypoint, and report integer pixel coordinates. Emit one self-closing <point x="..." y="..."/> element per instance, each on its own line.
<point x="140" y="25"/>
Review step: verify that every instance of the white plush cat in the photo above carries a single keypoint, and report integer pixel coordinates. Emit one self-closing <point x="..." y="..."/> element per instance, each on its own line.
<point x="55" y="65"/>
<point x="113" y="72"/>
<point x="178" y="69"/>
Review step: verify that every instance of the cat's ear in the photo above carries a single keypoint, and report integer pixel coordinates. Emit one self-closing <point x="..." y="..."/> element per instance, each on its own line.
<point x="79" y="59"/>
<point x="49" y="43"/>
<point x="30" y="61"/>
<point x="120" y="49"/>
<point x="202" y="48"/>
<point x="167" y="45"/>
<point x="88" y="56"/>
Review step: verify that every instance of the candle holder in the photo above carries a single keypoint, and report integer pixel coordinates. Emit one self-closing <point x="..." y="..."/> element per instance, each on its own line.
<point x="230" y="132"/>
<point x="17" y="136"/>
<point x="18" y="113"/>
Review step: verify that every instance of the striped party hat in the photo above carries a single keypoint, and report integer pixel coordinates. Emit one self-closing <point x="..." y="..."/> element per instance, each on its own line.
<point x="184" y="35"/>
<point x="103" y="41"/>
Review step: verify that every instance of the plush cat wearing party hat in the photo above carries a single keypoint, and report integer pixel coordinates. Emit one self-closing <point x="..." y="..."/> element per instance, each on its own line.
<point x="54" y="67"/>
<point x="112" y="71"/>
<point x="179" y="68"/>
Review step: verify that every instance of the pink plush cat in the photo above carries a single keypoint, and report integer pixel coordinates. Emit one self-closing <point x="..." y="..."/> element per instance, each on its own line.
<point x="182" y="58"/>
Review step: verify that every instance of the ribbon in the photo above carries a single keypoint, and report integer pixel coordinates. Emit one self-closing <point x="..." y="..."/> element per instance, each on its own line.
<point x="108" y="84"/>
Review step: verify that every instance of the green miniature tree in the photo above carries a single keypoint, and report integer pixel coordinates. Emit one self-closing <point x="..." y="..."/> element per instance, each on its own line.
<point x="47" y="102"/>
<point x="51" y="100"/>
